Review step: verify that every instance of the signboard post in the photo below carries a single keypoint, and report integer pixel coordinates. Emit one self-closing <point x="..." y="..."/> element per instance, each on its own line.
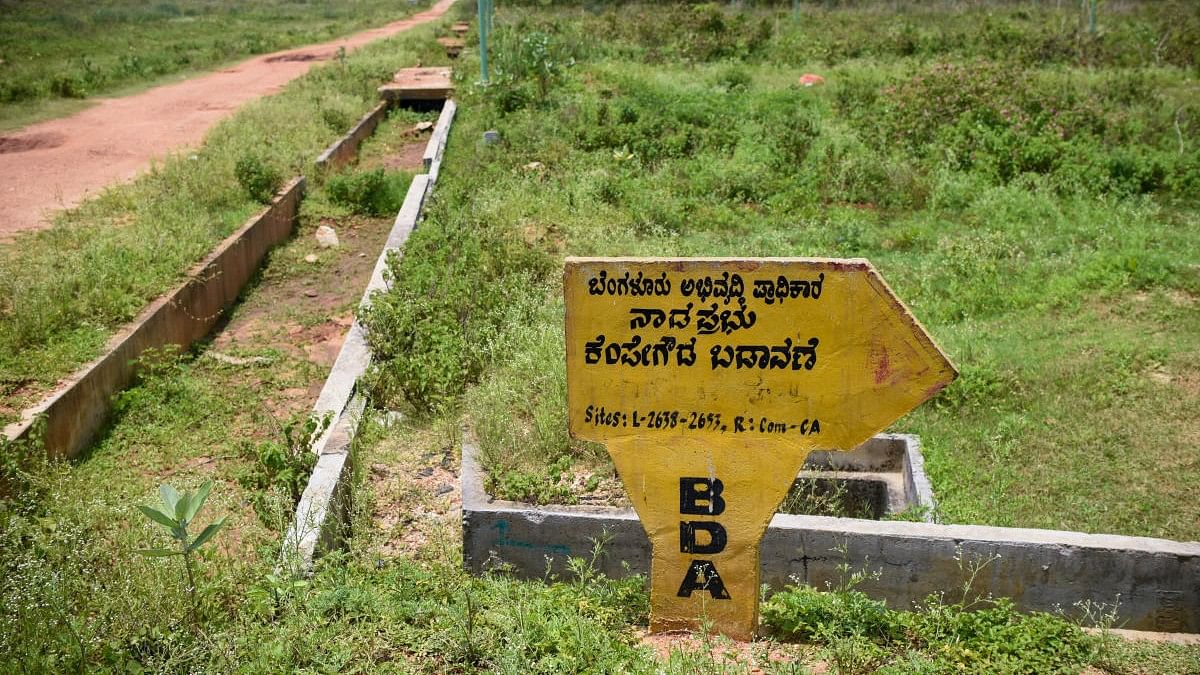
<point x="710" y="380"/>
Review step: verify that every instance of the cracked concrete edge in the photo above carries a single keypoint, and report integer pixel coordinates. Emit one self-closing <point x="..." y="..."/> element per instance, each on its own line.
<point x="437" y="141"/>
<point x="1151" y="584"/>
<point x="77" y="410"/>
<point x="345" y="149"/>
<point x="323" y="509"/>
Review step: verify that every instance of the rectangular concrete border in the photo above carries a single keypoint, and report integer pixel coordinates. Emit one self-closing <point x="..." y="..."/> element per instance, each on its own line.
<point x="914" y="490"/>
<point x="345" y="149"/>
<point x="1153" y="583"/>
<point x="79" y="409"/>
<point x="322" y="514"/>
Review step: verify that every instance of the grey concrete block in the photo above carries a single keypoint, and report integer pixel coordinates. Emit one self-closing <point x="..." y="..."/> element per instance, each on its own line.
<point x="530" y="541"/>
<point x="1153" y="583"/>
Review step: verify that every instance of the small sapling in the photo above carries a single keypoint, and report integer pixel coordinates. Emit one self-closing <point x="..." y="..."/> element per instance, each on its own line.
<point x="176" y="512"/>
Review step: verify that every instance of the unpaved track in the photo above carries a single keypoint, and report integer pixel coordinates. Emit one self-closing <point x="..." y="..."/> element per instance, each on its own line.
<point x="57" y="164"/>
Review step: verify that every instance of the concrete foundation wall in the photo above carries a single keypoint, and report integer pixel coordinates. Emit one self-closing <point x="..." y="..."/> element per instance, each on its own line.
<point x="79" y="409"/>
<point x="1154" y="583"/>
<point x="345" y="149"/>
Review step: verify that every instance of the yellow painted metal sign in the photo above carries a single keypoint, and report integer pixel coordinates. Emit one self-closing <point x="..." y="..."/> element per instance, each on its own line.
<point x="711" y="379"/>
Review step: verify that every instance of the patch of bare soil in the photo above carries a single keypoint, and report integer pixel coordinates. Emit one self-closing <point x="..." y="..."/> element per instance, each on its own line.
<point x="725" y="655"/>
<point x="27" y="142"/>
<point x="411" y="157"/>
<point x="13" y="396"/>
<point x="403" y="149"/>
<point x="417" y="496"/>
<point x="306" y="310"/>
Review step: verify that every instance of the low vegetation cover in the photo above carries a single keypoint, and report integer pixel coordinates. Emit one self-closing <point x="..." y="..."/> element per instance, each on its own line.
<point x="65" y="290"/>
<point x="1026" y="186"/>
<point x="482" y="303"/>
<point x="53" y="52"/>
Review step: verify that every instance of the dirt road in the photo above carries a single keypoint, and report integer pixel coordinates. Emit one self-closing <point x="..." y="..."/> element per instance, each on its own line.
<point x="56" y="164"/>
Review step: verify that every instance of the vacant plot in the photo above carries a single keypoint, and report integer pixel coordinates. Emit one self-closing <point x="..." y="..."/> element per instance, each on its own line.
<point x="1027" y="187"/>
<point x="633" y="146"/>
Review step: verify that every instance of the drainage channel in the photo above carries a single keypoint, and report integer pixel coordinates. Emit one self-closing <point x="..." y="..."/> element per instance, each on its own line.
<point x="234" y="408"/>
<point x="323" y="510"/>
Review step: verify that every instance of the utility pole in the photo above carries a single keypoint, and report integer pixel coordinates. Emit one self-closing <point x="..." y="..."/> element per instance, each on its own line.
<point x="485" y="29"/>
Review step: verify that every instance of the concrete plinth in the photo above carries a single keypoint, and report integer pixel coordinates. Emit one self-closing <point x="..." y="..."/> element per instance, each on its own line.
<point x="418" y="84"/>
<point x="453" y="46"/>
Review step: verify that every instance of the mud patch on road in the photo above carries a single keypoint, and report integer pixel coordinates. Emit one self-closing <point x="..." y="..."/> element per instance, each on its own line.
<point x="35" y="141"/>
<point x="303" y="57"/>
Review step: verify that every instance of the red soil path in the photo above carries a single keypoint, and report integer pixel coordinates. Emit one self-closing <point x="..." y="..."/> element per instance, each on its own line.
<point x="57" y="164"/>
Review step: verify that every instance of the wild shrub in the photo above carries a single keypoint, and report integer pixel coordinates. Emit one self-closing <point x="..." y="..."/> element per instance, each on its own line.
<point x="68" y="85"/>
<point x="431" y="333"/>
<point x="701" y="32"/>
<point x="733" y="78"/>
<point x="282" y="464"/>
<point x="985" y="94"/>
<point x="993" y="637"/>
<point x="372" y="193"/>
<point x="1006" y="124"/>
<point x="803" y="612"/>
<point x="258" y="178"/>
<point x="174" y="513"/>
<point x="339" y="112"/>
<point x="654" y="123"/>
<point x="543" y="486"/>
<point x="528" y="64"/>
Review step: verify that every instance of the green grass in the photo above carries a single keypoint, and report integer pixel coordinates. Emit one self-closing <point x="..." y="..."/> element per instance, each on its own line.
<point x="78" y="597"/>
<point x="1040" y="220"/>
<point x="54" y="52"/>
<point x="64" y="290"/>
<point x="977" y="253"/>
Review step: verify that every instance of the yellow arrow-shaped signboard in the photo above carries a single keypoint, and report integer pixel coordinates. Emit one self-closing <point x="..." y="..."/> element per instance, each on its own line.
<point x="711" y="379"/>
